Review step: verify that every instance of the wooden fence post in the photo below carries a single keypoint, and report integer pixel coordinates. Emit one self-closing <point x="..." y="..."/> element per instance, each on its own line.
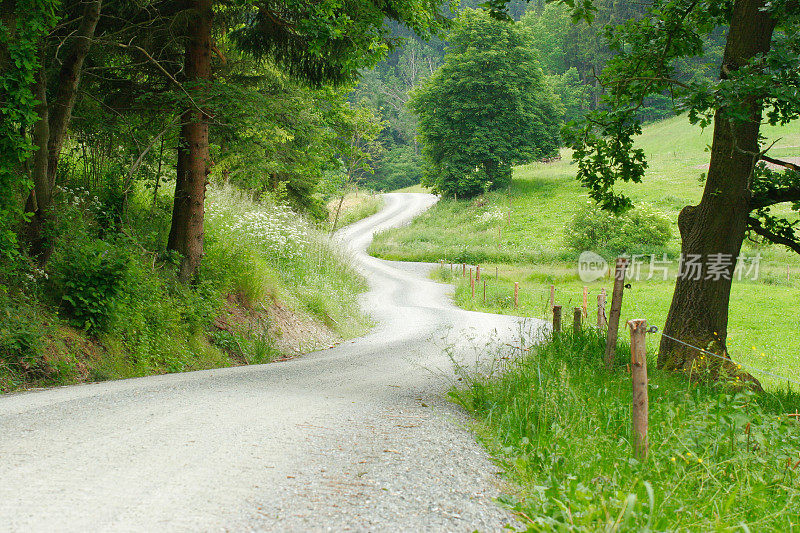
<point x="478" y="273"/>
<point x="639" y="379"/>
<point x="585" y="301"/>
<point x="556" y="319"/>
<point x="552" y="296"/>
<point x="516" y="294"/>
<point x="576" y="321"/>
<point x="601" y="309"/>
<point x="472" y="283"/>
<point x="616" y="309"/>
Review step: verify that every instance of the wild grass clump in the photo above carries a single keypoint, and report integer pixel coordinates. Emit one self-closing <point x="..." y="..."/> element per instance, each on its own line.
<point x="720" y="459"/>
<point x="262" y="249"/>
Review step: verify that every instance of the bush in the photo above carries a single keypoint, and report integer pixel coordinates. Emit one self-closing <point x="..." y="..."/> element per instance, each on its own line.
<point x="21" y="345"/>
<point x="642" y="230"/>
<point x="88" y="276"/>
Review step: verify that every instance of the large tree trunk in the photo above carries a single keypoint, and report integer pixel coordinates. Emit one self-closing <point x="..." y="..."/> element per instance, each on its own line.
<point x="51" y="129"/>
<point x="699" y="312"/>
<point x="186" y="232"/>
<point x="69" y="79"/>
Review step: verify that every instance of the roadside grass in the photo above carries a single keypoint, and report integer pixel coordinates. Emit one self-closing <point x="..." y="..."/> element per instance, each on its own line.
<point x="521" y="232"/>
<point x="357" y="205"/>
<point x="413" y="188"/>
<point x="267" y="251"/>
<point x="109" y="305"/>
<point x="559" y="424"/>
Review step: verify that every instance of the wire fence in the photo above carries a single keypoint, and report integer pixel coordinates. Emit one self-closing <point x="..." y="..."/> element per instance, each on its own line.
<point x="728" y="359"/>
<point x="750" y="368"/>
<point x="544" y="296"/>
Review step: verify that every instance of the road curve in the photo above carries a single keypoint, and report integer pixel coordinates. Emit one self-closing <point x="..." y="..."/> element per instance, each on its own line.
<point x="355" y="438"/>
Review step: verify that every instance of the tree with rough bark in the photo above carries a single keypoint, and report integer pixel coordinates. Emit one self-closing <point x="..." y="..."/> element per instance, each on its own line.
<point x="758" y="83"/>
<point x="193" y="166"/>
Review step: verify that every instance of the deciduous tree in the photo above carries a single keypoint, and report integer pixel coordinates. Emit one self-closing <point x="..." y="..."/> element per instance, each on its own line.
<point x="759" y="82"/>
<point x="488" y="107"/>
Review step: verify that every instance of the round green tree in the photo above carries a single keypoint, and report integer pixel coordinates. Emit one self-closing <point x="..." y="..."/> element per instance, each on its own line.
<point x="487" y="108"/>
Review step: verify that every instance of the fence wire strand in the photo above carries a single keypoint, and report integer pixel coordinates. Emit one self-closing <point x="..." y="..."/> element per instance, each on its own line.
<point x="712" y="354"/>
<point x="751" y="368"/>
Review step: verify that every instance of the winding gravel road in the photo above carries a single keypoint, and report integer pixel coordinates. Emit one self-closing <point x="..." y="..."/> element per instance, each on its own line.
<point x="355" y="438"/>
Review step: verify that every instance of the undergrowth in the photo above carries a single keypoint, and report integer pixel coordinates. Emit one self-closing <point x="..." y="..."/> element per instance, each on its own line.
<point x="108" y="305"/>
<point x="720" y="459"/>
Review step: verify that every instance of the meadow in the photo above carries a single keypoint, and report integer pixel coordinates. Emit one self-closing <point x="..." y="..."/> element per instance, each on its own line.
<point x="520" y="233"/>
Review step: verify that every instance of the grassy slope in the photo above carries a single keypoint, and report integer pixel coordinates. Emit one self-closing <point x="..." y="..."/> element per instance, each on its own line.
<point x="356" y="206"/>
<point x="258" y="258"/>
<point x="528" y="246"/>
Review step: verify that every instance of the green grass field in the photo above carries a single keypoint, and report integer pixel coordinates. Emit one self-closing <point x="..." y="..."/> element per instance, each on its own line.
<point x="560" y="425"/>
<point x="521" y="233"/>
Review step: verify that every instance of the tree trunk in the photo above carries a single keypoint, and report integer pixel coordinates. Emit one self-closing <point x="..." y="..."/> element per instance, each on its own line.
<point x="717" y="225"/>
<point x="186" y="232"/>
<point x="69" y="79"/>
<point x="51" y="128"/>
<point x="40" y="197"/>
<point x="338" y="210"/>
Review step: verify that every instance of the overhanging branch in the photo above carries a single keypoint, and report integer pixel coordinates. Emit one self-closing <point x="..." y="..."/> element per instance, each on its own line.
<point x="785" y="164"/>
<point x="775" y="196"/>
<point x="757" y="227"/>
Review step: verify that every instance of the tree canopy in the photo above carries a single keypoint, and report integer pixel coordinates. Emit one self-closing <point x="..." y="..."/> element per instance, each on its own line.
<point x="488" y="107"/>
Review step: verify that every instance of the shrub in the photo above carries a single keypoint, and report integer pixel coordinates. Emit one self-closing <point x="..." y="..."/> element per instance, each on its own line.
<point x="21" y="345"/>
<point x="88" y="276"/>
<point x="639" y="230"/>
